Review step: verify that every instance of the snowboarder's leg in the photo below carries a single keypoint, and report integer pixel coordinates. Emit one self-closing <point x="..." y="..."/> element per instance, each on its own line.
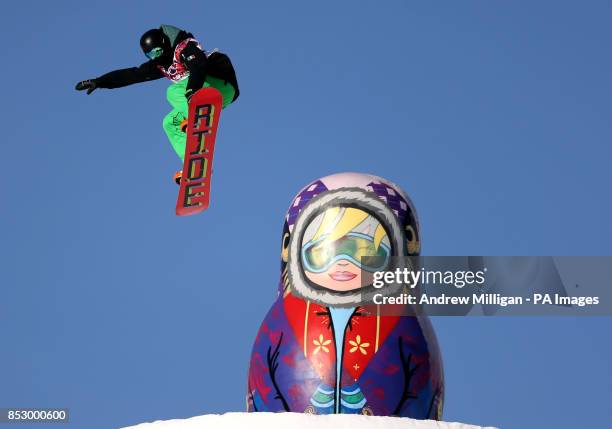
<point x="227" y="90"/>
<point x="172" y="122"/>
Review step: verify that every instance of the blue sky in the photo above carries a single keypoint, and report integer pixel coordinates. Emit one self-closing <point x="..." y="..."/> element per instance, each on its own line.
<point x="494" y="116"/>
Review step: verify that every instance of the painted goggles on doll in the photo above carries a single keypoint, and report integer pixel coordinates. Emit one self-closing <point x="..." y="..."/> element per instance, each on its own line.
<point x="319" y="255"/>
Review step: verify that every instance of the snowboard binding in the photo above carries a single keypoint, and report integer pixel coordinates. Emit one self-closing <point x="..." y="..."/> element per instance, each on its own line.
<point x="178" y="176"/>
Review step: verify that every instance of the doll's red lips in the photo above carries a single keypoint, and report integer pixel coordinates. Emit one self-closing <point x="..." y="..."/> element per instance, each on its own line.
<point x="342" y="276"/>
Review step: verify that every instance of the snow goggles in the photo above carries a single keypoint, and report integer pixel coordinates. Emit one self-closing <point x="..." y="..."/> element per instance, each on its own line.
<point x="319" y="255"/>
<point x="154" y="53"/>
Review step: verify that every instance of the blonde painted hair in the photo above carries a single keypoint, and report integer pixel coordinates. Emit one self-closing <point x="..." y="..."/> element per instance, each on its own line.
<point x="339" y="221"/>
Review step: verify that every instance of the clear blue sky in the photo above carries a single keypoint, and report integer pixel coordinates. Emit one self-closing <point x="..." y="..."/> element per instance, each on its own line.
<point x="494" y="116"/>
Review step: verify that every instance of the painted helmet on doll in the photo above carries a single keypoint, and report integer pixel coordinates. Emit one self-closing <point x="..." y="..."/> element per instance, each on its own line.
<point x="340" y="228"/>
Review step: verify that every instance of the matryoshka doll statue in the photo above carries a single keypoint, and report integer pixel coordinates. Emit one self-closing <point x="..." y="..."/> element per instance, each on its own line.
<point x="319" y="350"/>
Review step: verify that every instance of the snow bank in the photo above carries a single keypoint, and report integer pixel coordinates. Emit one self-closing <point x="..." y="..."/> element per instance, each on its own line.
<point x="299" y="421"/>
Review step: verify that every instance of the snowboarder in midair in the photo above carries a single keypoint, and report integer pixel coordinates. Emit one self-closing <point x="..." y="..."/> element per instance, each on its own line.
<point x="175" y="54"/>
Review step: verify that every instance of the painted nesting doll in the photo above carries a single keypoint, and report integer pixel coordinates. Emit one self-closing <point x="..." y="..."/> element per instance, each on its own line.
<point x="319" y="350"/>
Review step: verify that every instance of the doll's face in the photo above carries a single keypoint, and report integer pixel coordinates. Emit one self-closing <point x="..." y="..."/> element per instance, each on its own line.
<point x="334" y="245"/>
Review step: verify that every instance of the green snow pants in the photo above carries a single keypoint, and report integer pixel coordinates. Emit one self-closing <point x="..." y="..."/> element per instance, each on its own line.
<point x="176" y="98"/>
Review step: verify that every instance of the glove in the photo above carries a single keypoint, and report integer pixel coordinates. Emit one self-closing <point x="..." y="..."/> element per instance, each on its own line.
<point x="188" y="95"/>
<point x="90" y="85"/>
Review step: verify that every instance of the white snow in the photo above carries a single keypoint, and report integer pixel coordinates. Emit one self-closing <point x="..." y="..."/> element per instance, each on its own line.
<point x="299" y="421"/>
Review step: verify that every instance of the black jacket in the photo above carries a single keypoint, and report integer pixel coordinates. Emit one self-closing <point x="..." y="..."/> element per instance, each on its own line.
<point x="217" y="65"/>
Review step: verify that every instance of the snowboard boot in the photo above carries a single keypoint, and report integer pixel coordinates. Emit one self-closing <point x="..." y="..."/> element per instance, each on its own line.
<point x="178" y="176"/>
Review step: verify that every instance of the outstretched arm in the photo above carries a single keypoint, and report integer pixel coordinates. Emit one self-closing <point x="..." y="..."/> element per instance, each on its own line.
<point x="122" y="77"/>
<point x="196" y="62"/>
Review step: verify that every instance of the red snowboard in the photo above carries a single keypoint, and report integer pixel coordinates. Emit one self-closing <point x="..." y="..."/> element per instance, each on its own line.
<point x="204" y="112"/>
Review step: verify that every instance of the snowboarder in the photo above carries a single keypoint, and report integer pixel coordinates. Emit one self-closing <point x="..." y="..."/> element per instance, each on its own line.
<point x="175" y="54"/>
